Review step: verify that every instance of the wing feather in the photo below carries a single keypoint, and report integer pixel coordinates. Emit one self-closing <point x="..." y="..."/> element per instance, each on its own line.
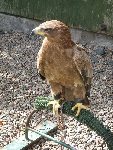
<point x="83" y="65"/>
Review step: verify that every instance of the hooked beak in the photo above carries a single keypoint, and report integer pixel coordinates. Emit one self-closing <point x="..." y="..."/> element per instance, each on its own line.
<point x="37" y="31"/>
<point x="32" y="32"/>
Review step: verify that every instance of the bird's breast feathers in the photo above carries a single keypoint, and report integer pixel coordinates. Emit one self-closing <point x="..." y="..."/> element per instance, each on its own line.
<point x="59" y="65"/>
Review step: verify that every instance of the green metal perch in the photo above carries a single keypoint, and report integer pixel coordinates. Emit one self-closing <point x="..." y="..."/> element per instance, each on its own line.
<point x="86" y="117"/>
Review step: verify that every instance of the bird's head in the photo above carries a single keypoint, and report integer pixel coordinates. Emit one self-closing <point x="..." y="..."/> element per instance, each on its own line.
<point x="53" y="30"/>
<point x="41" y="31"/>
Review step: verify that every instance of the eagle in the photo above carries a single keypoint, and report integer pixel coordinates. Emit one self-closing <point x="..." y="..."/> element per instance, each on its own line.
<point x="65" y="65"/>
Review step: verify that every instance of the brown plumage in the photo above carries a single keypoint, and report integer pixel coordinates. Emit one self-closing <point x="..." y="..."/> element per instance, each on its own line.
<point x="64" y="64"/>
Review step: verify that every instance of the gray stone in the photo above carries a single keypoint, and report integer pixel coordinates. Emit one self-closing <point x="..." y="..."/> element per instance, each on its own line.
<point x="100" y="51"/>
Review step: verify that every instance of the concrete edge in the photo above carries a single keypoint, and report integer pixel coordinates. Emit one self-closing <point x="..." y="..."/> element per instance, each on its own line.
<point x="12" y="23"/>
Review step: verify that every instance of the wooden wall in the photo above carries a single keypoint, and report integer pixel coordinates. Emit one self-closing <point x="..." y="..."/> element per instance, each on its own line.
<point x="91" y="15"/>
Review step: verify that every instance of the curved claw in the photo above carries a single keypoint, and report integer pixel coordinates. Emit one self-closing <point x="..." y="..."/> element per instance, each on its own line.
<point x="56" y="106"/>
<point x="79" y="106"/>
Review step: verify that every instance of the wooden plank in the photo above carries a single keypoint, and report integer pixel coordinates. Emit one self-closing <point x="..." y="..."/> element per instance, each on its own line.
<point x="21" y="143"/>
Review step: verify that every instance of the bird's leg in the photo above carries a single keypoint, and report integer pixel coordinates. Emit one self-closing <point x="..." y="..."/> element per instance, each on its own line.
<point x="80" y="105"/>
<point x="56" y="103"/>
<point x="56" y="90"/>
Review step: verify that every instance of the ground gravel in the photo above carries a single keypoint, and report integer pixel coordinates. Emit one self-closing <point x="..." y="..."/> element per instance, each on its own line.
<point x="20" y="85"/>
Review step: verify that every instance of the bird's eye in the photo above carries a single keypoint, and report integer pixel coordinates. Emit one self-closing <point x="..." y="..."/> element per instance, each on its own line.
<point x="47" y="29"/>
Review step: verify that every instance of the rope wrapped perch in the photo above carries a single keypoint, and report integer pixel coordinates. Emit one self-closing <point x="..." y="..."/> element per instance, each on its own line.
<point x="86" y="117"/>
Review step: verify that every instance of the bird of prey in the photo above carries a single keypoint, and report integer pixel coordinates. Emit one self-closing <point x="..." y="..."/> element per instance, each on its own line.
<point x="65" y="65"/>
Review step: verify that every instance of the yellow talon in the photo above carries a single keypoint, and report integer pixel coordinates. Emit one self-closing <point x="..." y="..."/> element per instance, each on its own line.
<point x="79" y="106"/>
<point x="56" y="106"/>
